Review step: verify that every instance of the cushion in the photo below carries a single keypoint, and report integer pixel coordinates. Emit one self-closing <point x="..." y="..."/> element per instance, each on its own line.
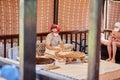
<point x="40" y="48"/>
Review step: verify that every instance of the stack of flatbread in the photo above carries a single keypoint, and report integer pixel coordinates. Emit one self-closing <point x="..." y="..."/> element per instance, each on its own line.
<point x="73" y="55"/>
<point x="50" y="67"/>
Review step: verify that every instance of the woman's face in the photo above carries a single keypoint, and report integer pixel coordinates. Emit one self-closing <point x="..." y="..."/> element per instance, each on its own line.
<point x="55" y="32"/>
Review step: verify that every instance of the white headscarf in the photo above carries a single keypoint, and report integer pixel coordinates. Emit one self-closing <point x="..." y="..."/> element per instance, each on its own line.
<point x="117" y="26"/>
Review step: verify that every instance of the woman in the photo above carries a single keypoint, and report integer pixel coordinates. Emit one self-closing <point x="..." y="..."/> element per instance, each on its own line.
<point x="114" y="42"/>
<point x="54" y="43"/>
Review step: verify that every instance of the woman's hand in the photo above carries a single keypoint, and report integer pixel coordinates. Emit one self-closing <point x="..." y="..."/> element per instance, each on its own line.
<point x="57" y="50"/>
<point x="61" y="60"/>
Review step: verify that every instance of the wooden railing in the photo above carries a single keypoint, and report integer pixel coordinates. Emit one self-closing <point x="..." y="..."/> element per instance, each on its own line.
<point x="77" y="38"/>
<point x="107" y="33"/>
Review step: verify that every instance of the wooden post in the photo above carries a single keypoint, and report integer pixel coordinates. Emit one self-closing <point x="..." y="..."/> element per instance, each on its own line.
<point x="5" y="47"/>
<point x="106" y="14"/>
<point x="56" y="5"/>
<point x="94" y="39"/>
<point x="27" y="39"/>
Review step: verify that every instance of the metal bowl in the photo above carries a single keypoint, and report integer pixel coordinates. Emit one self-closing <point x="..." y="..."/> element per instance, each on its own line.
<point x="44" y="60"/>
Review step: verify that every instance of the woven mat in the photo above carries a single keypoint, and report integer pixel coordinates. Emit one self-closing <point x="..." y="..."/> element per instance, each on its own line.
<point x="79" y="70"/>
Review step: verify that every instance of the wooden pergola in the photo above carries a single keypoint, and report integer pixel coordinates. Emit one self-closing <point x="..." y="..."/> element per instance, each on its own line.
<point x="28" y="37"/>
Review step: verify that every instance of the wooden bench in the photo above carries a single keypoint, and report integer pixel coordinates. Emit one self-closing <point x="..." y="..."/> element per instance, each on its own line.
<point x="76" y="37"/>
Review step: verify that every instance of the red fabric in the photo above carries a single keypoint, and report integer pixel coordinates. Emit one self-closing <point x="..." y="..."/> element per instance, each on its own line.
<point x="55" y="26"/>
<point x="58" y="29"/>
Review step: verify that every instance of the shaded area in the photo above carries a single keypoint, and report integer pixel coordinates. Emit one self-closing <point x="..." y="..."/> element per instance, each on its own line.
<point x="104" y="54"/>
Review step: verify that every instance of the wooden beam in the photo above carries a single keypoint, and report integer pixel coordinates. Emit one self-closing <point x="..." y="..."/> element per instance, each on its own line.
<point x="94" y="39"/>
<point x="56" y="5"/>
<point x="27" y="38"/>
